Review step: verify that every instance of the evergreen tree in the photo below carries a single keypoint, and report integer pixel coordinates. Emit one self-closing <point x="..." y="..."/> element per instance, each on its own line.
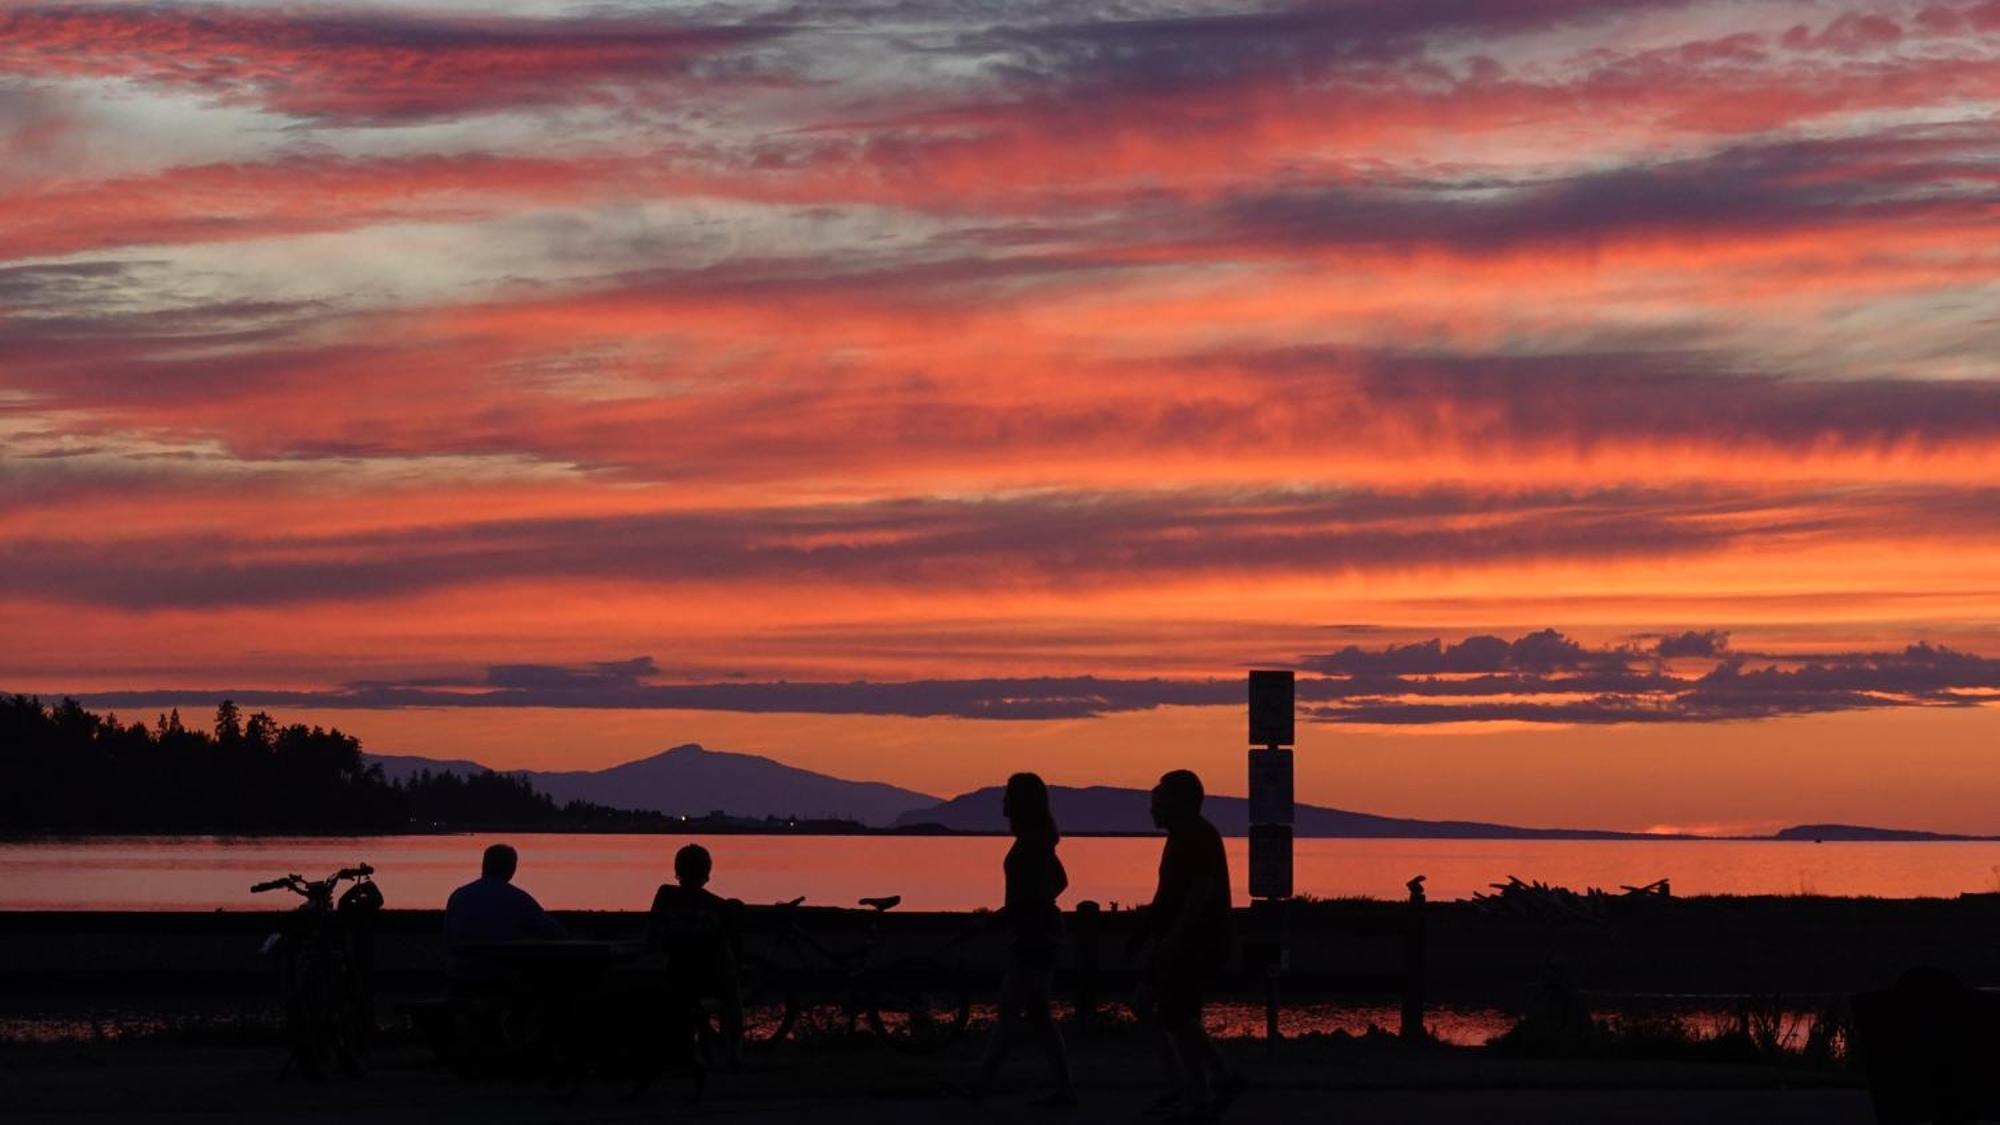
<point x="64" y="769"/>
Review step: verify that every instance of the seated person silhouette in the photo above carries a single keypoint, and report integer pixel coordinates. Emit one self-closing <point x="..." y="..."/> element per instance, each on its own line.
<point x="696" y="929"/>
<point x="490" y="908"/>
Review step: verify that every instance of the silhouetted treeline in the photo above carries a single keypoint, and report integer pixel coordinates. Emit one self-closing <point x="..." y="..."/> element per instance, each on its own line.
<point x="476" y="799"/>
<point x="65" y="769"/>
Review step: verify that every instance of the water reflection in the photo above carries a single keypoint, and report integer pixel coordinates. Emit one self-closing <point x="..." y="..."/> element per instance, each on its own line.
<point x="240" y="1020"/>
<point x="606" y="872"/>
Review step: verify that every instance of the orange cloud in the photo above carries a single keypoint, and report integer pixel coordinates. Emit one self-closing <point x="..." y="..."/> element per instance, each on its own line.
<point x="1151" y="346"/>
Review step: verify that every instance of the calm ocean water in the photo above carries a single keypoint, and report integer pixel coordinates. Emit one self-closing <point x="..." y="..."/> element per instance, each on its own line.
<point x="592" y="872"/>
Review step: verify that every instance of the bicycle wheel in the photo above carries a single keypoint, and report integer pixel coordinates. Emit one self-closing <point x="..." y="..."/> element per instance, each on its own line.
<point x="348" y="1019"/>
<point x="770" y="1003"/>
<point x="827" y="1019"/>
<point x="919" y="1004"/>
<point x="309" y="1014"/>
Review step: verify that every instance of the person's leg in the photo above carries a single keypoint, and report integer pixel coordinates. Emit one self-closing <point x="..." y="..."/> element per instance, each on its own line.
<point x="1175" y="1094"/>
<point x="729" y="1004"/>
<point x="1227" y="1084"/>
<point x="1192" y="1047"/>
<point x="1224" y="1084"/>
<point x="1002" y="1039"/>
<point x="1153" y="1006"/>
<point x="1218" y="1067"/>
<point x="1037" y="1003"/>
<point x="1212" y="1085"/>
<point x="1207" y="1056"/>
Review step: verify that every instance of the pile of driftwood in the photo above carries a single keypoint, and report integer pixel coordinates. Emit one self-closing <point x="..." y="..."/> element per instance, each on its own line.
<point x="1519" y="899"/>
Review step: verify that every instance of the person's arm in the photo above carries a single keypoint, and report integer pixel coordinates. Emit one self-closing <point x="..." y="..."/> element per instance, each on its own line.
<point x="547" y="926"/>
<point x="543" y="921"/>
<point x="1167" y="894"/>
<point x="732" y="928"/>
<point x="540" y="923"/>
<point x="1035" y="877"/>
<point x="1010" y="890"/>
<point x="655" y="930"/>
<point x="1207" y="883"/>
<point x="1177" y="931"/>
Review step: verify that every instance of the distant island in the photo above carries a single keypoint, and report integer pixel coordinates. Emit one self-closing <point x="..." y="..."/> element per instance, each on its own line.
<point x="68" y="771"/>
<point x="1855" y="833"/>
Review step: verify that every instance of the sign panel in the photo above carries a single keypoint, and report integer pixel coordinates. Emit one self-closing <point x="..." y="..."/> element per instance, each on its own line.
<point x="1270" y="786"/>
<point x="1270" y="861"/>
<point x="1270" y="708"/>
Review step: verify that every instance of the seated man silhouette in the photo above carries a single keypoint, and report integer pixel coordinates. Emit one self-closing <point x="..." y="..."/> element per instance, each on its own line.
<point x="1187" y="927"/>
<point x="490" y="908"/>
<point x="696" y="929"/>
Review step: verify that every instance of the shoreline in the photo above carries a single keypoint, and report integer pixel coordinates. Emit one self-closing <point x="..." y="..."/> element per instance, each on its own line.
<point x="934" y="830"/>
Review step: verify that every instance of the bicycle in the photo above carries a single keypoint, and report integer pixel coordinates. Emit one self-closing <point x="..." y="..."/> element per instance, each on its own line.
<point x="917" y="1003"/>
<point x="323" y="956"/>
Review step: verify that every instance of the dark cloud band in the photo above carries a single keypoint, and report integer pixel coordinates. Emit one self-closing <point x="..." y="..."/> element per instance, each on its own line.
<point x="1546" y="677"/>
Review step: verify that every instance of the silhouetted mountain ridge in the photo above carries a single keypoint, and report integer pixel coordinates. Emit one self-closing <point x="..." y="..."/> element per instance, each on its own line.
<point x="1107" y="809"/>
<point x="692" y="780"/>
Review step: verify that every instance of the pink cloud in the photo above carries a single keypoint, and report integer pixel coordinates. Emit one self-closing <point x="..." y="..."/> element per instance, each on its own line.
<point x="358" y="65"/>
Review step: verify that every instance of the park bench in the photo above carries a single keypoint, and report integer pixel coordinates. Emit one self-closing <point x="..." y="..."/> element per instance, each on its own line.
<point x="572" y="1008"/>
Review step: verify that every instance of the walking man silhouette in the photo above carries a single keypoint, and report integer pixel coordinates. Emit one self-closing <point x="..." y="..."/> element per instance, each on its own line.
<point x="1187" y="929"/>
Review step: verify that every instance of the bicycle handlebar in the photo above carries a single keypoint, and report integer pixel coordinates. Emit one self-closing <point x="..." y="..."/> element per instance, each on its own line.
<point x="298" y="884"/>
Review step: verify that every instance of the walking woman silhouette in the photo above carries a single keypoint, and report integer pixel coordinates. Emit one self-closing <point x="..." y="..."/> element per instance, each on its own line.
<point x="1035" y="877"/>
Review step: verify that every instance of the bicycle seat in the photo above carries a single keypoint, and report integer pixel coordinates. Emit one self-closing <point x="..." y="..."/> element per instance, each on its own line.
<point x="887" y="902"/>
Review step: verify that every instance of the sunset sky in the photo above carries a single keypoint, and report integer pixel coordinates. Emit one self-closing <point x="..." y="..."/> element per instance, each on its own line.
<point x="1596" y="401"/>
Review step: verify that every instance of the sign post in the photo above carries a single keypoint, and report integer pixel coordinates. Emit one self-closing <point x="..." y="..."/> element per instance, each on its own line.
<point x="1271" y="740"/>
<point x="1271" y="785"/>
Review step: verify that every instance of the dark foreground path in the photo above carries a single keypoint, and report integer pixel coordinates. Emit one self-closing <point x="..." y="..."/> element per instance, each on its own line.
<point x="1305" y="1083"/>
<point x="1349" y="1107"/>
<point x="1388" y="1107"/>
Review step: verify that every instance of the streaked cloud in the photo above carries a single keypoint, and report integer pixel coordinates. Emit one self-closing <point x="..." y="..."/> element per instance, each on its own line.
<point x="1542" y="677"/>
<point x="351" y="64"/>
<point x="941" y="359"/>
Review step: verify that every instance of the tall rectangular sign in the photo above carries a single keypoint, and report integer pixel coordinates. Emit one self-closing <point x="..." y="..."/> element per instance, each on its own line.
<point x="1270" y="708"/>
<point x="1271" y="733"/>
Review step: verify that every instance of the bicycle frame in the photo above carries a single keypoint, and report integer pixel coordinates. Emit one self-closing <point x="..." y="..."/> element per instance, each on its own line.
<point x="324" y="997"/>
<point x="854" y="980"/>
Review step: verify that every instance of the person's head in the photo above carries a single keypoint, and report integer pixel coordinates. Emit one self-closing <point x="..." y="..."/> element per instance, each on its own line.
<point x="499" y="862"/>
<point x="1026" y="806"/>
<point x="1177" y="798"/>
<point x="692" y="866"/>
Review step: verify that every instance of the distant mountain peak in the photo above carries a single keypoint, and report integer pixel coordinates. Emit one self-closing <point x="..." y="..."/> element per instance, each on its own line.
<point x="684" y="750"/>
<point x="693" y="780"/>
